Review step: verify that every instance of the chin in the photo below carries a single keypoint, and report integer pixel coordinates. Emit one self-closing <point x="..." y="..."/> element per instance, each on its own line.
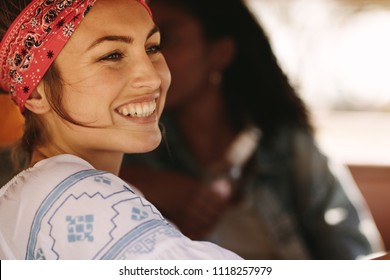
<point x="147" y="145"/>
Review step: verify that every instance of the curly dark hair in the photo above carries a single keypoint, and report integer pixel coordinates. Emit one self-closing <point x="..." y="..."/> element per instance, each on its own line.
<point x="255" y="86"/>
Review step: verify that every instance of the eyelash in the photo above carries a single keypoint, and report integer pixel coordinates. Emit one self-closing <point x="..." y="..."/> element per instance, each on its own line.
<point x="116" y="56"/>
<point x="154" y="49"/>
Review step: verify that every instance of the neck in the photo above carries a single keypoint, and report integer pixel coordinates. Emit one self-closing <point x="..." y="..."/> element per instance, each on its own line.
<point x="110" y="162"/>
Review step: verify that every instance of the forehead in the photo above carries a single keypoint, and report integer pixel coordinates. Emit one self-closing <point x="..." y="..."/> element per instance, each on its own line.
<point x="108" y="17"/>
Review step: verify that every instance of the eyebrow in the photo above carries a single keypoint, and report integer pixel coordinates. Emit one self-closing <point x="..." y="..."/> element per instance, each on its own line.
<point x="124" y="39"/>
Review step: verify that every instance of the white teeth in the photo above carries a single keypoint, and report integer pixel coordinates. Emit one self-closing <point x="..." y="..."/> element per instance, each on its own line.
<point x="125" y="111"/>
<point x="139" y="110"/>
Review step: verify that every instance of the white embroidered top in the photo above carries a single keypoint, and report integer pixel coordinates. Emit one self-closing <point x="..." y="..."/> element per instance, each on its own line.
<point x="63" y="208"/>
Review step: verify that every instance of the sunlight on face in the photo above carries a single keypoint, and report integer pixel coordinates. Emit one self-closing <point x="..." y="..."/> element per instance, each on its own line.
<point x="115" y="79"/>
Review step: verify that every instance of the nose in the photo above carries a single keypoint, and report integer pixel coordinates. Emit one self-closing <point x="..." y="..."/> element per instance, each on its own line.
<point x="144" y="73"/>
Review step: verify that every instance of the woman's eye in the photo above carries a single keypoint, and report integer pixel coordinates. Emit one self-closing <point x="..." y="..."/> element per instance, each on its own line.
<point x="112" y="56"/>
<point x="154" y="49"/>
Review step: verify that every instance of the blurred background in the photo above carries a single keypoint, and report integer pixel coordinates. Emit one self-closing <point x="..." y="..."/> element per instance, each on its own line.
<point x="337" y="55"/>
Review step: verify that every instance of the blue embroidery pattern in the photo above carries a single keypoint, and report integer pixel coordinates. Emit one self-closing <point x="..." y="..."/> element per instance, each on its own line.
<point x="80" y="228"/>
<point x="39" y="255"/>
<point x="141" y="240"/>
<point x="131" y="225"/>
<point x="103" y="179"/>
<point x="148" y="241"/>
<point x="47" y="203"/>
<point x="138" y="215"/>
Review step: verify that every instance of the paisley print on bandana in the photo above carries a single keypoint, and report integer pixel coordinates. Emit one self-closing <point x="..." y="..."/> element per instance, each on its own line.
<point x="35" y="39"/>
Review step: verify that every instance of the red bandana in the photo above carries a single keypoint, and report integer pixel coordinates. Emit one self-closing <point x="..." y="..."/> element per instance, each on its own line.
<point x="35" y="39"/>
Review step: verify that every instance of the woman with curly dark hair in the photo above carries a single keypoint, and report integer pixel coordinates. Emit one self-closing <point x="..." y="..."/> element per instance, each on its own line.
<point x="240" y="165"/>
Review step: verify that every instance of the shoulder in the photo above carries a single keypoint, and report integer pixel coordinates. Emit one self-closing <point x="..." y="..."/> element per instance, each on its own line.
<point x="62" y="202"/>
<point x="90" y="214"/>
<point x="294" y="134"/>
<point x="100" y="217"/>
<point x="186" y="249"/>
<point x="299" y="143"/>
<point x="290" y="142"/>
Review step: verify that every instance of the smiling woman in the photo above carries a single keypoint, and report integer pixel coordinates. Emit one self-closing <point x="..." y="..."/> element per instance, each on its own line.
<point x="91" y="82"/>
<point x="124" y="70"/>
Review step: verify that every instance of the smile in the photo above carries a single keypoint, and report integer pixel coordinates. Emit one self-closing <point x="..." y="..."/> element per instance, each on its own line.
<point x="138" y="110"/>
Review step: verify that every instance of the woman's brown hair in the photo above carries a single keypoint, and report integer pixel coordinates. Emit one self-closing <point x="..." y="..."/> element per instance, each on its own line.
<point x="34" y="130"/>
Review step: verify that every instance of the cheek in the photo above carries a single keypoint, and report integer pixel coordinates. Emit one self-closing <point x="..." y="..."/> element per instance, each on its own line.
<point x="88" y="100"/>
<point x="97" y="84"/>
<point x="79" y="105"/>
<point x="165" y="75"/>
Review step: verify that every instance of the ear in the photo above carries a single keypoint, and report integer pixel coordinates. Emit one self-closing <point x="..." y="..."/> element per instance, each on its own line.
<point x="37" y="102"/>
<point x="222" y="53"/>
